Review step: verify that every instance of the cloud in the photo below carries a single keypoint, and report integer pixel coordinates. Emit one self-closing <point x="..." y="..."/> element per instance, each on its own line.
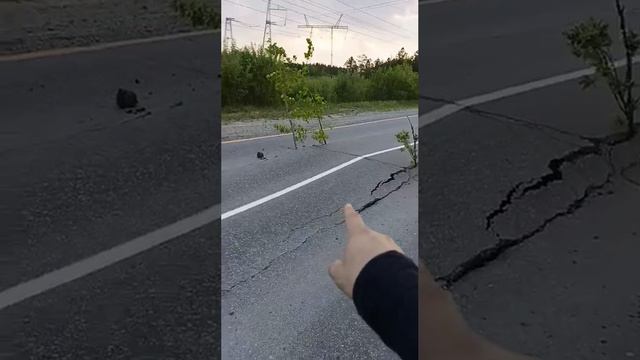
<point x="367" y="34"/>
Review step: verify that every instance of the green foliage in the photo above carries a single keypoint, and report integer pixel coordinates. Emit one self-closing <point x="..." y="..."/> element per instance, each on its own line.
<point x="300" y="101"/>
<point x="409" y="142"/>
<point x="351" y="87"/>
<point x="320" y="136"/>
<point x="244" y="77"/>
<point x="324" y="86"/>
<point x="591" y="41"/>
<point x="298" y="131"/>
<point x="287" y="81"/>
<point x="366" y="66"/>
<point x="199" y="13"/>
<point x="396" y="83"/>
<point x="310" y="48"/>
<point x="308" y="105"/>
<point x="245" y="81"/>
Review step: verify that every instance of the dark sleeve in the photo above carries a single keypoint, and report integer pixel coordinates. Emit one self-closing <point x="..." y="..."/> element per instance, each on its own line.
<point x="386" y="296"/>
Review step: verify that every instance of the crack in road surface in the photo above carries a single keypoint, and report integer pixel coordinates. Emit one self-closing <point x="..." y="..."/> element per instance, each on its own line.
<point x="361" y="209"/>
<point x="554" y="175"/>
<point x="273" y="260"/>
<point x="555" y="165"/>
<point x="378" y="199"/>
<point x="306" y="224"/>
<point x="488" y="255"/>
<point x="476" y="110"/>
<point x="391" y="177"/>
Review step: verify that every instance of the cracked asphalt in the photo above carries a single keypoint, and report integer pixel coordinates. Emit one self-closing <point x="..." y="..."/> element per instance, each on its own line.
<point x="528" y="208"/>
<point x="278" y="300"/>
<point x="80" y="176"/>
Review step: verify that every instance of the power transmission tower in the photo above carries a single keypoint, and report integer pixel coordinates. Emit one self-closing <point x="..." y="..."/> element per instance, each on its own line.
<point x="228" y="33"/>
<point x="337" y="26"/>
<point x="266" y="37"/>
<point x="229" y="40"/>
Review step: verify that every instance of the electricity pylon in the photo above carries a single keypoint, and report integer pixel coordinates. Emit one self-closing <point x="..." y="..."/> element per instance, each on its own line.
<point x="268" y="22"/>
<point x="337" y="26"/>
<point x="228" y="33"/>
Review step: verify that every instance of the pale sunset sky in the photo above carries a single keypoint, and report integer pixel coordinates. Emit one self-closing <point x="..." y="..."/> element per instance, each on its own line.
<point x="377" y="28"/>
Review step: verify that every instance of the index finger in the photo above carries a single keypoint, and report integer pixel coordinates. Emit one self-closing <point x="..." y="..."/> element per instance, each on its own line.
<point x="353" y="221"/>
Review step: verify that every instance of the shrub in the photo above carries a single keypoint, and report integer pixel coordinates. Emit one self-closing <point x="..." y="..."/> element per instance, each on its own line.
<point x="351" y="88"/>
<point x="396" y="83"/>
<point x="325" y="86"/>
<point x="244" y="78"/>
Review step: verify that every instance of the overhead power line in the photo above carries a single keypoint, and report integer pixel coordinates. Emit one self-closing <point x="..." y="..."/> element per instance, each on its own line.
<point x="378" y="5"/>
<point x="372" y="15"/>
<point x="358" y="19"/>
<point x="262" y="11"/>
<point x="268" y="22"/>
<point x="229" y="40"/>
<point x="249" y="7"/>
<point x="326" y="22"/>
<point x="277" y="31"/>
<point x="374" y="27"/>
<point x="297" y="8"/>
<point x="337" y="26"/>
<point x="254" y="27"/>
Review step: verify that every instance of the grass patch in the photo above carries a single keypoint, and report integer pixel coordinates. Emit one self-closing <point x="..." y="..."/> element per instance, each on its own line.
<point x="248" y="113"/>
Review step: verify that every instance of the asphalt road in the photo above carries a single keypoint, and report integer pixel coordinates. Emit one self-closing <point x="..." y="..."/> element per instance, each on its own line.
<point x="80" y="176"/>
<point x="277" y="298"/>
<point x="476" y="47"/>
<point x="564" y="291"/>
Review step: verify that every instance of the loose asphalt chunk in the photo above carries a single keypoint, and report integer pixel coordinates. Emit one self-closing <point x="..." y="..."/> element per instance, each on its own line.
<point x="126" y="99"/>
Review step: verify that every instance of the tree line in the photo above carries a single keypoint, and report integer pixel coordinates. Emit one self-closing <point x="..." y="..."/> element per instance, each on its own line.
<point x="245" y="71"/>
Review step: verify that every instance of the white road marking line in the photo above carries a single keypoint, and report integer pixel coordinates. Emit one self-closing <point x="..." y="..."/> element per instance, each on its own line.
<point x="451" y="109"/>
<point x="126" y="250"/>
<point x="106" y="258"/>
<point x="291" y="188"/>
<point x="143" y="243"/>
<point x="335" y="127"/>
<point x="103" y="46"/>
<point x="374" y="122"/>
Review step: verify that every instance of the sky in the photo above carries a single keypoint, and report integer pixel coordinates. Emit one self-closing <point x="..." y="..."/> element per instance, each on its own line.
<point x="376" y="28"/>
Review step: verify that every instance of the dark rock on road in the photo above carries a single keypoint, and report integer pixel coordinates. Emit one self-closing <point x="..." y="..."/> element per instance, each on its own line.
<point x="126" y="99"/>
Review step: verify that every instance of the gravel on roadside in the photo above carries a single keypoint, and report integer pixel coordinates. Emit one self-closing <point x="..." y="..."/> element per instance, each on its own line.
<point x="27" y="26"/>
<point x="255" y="128"/>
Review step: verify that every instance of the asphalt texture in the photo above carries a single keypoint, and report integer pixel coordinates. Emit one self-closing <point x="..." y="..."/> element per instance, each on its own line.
<point x="278" y="300"/>
<point x="487" y="182"/>
<point x="27" y="26"/>
<point x="81" y="175"/>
